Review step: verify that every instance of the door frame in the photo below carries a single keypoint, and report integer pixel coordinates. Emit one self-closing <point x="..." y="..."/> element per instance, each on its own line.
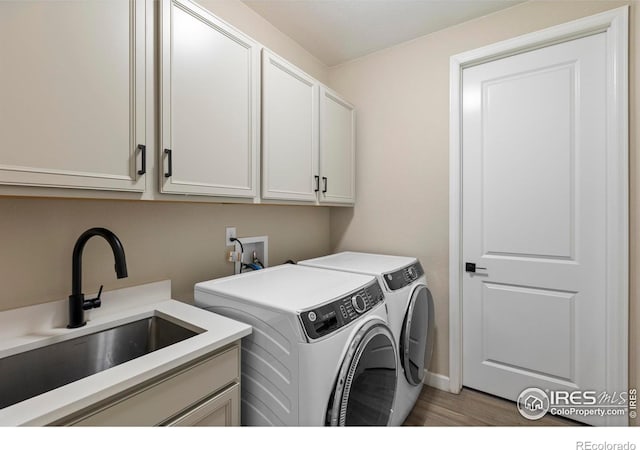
<point x="615" y="24"/>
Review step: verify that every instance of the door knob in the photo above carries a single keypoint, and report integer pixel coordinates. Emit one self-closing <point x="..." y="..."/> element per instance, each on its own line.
<point x="471" y="267"/>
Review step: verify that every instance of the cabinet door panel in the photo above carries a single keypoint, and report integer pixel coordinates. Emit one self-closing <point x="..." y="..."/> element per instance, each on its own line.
<point x="337" y="149"/>
<point x="222" y="410"/>
<point x="72" y="93"/>
<point x="155" y="404"/>
<point x="210" y="104"/>
<point x="289" y="131"/>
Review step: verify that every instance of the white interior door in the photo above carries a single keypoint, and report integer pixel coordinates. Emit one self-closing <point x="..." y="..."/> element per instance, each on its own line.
<point x="534" y="219"/>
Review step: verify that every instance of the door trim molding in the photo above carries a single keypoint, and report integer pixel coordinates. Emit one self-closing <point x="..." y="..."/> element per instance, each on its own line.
<point x="615" y="24"/>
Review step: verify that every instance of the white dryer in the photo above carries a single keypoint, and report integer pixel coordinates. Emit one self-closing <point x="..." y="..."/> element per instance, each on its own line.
<point x="410" y="311"/>
<point x="321" y="351"/>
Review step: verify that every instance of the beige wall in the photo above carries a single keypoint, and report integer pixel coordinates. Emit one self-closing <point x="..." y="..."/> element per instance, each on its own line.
<point x="254" y="25"/>
<point x="402" y="100"/>
<point x="183" y="242"/>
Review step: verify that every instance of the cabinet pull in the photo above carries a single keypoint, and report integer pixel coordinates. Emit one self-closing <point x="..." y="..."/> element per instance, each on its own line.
<point x="317" y="183"/>
<point x="143" y="168"/>
<point x="169" y="173"/>
<point x="324" y="191"/>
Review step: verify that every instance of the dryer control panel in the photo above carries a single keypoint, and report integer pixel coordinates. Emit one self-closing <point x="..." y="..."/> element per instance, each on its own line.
<point x="327" y="318"/>
<point x="403" y="277"/>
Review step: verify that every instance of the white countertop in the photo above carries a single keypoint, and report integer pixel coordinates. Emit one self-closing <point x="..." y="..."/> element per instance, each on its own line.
<point x="36" y="326"/>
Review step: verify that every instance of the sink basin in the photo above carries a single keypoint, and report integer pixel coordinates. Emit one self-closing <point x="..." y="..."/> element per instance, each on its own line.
<point x="37" y="371"/>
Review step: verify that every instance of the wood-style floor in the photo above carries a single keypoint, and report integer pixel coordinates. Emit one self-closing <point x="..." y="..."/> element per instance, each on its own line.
<point x="472" y="408"/>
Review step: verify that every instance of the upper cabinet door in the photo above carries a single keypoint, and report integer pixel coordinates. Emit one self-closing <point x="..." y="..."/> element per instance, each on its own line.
<point x="210" y="105"/>
<point x="289" y="131"/>
<point x="72" y="94"/>
<point x="337" y="149"/>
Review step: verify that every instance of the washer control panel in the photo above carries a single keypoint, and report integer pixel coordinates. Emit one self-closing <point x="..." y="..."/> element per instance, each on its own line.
<point x="359" y="303"/>
<point x="403" y="277"/>
<point x="325" y="319"/>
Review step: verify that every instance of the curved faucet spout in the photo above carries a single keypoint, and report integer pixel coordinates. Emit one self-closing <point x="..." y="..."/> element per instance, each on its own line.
<point x="116" y="247"/>
<point x="77" y="303"/>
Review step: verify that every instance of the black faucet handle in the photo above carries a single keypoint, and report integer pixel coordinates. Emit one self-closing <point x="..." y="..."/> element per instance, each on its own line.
<point x="93" y="302"/>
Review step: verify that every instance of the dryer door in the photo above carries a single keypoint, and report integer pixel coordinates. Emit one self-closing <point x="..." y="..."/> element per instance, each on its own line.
<point x="366" y="384"/>
<point x="416" y="341"/>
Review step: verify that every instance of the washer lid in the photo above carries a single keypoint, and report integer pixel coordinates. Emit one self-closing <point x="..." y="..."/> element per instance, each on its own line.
<point x="288" y="287"/>
<point x="368" y="263"/>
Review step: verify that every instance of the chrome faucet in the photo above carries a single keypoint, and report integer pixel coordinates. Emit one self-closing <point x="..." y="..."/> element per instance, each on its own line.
<point x="77" y="303"/>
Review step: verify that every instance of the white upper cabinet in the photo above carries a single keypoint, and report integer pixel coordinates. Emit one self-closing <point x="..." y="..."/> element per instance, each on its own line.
<point x="337" y="149"/>
<point x="308" y="138"/>
<point x="72" y="94"/>
<point x="210" y="104"/>
<point x="74" y="109"/>
<point x="289" y="131"/>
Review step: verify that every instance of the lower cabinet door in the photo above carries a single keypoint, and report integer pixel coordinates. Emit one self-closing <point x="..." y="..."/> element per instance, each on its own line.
<point x="164" y="400"/>
<point x="221" y="410"/>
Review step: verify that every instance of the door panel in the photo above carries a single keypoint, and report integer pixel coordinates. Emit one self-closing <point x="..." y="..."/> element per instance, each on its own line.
<point x="222" y="410"/>
<point x="72" y="96"/>
<point x="509" y="343"/>
<point x="210" y="104"/>
<point x="289" y="131"/>
<point x="337" y="149"/>
<point x="534" y="211"/>
<point x="527" y="156"/>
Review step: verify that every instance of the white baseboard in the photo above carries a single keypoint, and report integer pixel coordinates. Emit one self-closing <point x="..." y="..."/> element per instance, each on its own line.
<point x="437" y="381"/>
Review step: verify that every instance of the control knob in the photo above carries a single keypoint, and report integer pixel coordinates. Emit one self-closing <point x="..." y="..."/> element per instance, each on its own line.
<point x="359" y="303"/>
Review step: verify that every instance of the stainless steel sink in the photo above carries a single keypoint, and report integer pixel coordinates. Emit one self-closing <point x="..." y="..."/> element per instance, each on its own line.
<point x="34" y="372"/>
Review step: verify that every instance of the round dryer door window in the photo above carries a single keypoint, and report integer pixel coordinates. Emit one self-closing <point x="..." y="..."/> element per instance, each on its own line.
<point x="416" y="341"/>
<point x="366" y="384"/>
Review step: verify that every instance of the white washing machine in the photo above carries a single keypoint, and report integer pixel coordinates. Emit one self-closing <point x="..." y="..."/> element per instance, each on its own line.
<point x="411" y="315"/>
<point x="321" y="351"/>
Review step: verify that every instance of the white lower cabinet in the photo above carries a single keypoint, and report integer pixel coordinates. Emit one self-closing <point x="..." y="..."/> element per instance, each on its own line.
<point x="222" y="410"/>
<point x="210" y="104"/>
<point x="204" y="393"/>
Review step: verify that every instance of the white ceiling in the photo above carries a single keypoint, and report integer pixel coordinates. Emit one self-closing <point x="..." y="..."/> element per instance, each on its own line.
<point x="336" y="31"/>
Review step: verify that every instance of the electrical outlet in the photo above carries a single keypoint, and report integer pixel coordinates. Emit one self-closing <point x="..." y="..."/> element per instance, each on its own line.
<point x="234" y="256"/>
<point x="230" y="233"/>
